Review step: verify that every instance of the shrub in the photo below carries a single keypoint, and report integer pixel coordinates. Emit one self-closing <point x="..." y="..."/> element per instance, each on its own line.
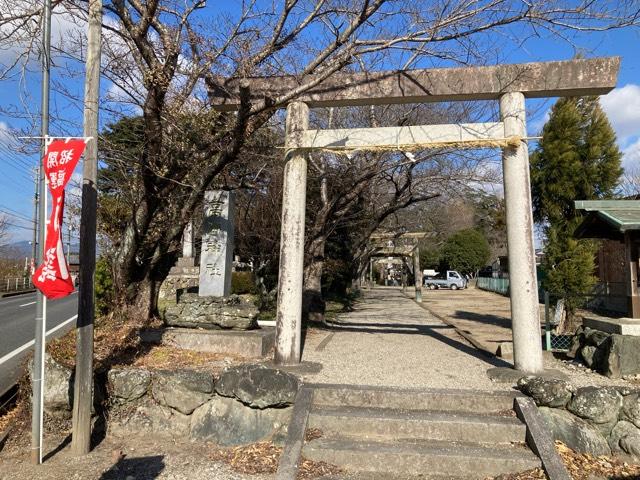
<point x="242" y="283"/>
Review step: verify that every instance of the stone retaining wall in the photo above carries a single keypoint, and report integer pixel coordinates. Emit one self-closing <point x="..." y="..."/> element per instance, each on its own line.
<point x="241" y="405"/>
<point x="612" y="355"/>
<point x="595" y="420"/>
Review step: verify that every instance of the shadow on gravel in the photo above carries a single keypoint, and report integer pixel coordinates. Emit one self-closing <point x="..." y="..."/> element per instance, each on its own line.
<point x="483" y="318"/>
<point x="428" y="330"/>
<point x="142" y="468"/>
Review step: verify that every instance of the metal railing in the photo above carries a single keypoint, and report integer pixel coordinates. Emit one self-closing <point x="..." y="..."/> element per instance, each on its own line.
<point x="15" y="284"/>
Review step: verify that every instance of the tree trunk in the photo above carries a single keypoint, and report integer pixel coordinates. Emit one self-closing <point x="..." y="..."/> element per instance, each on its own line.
<point x="313" y="305"/>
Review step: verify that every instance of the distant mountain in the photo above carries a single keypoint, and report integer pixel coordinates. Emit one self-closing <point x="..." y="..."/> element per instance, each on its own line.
<point x="16" y="250"/>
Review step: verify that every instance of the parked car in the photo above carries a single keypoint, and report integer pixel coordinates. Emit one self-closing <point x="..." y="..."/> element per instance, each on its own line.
<point x="451" y="279"/>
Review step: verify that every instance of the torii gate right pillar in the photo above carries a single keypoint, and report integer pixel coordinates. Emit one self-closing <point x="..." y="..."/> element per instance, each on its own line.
<point x="523" y="284"/>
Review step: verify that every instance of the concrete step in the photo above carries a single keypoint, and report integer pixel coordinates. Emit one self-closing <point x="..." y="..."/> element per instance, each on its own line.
<point x="413" y="399"/>
<point x="373" y="423"/>
<point x="400" y="459"/>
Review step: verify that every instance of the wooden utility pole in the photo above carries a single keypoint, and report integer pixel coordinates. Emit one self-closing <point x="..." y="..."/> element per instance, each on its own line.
<point x="83" y="389"/>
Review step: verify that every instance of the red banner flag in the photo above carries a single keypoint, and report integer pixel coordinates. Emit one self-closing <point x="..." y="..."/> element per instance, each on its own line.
<point x="52" y="277"/>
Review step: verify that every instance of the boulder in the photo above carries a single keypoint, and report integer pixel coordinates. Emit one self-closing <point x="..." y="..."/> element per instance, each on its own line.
<point x="577" y="341"/>
<point x="588" y="355"/>
<point x="631" y="409"/>
<point x="258" y="386"/>
<point x="625" y="437"/>
<point x="594" y="337"/>
<point x="152" y="418"/>
<point x="128" y="384"/>
<point x="183" y="390"/>
<point x="574" y="432"/>
<point x="621" y="356"/>
<point x="58" y="387"/>
<point x="598" y="405"/>
<point x="546" y="392"/>
<point x="228" y="422"/>
<point x="235" y="312"/>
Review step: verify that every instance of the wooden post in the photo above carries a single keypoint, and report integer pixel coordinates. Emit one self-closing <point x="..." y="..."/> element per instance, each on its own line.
<point x="83" y="389"/>
<point x="294" y="197"/>
<point x="631" y="272"/>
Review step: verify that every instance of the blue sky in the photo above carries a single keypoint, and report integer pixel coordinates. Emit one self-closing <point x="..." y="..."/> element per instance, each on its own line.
<point x="622" y="107"/>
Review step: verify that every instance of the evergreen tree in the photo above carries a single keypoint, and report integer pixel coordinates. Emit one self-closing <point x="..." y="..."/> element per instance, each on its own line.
<point x="466" y="251"/>
<point x="577" y="159"/>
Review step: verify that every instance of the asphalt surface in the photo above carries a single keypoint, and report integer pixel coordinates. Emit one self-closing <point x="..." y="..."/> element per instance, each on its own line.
<point x="17" y="329"/>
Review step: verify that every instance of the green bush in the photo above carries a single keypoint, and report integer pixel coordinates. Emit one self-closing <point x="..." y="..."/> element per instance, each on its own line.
<point x="103" y="287"/>
<point x="242" y="283"/>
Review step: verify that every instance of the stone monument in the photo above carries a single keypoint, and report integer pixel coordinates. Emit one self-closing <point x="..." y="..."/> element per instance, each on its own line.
<point x="216" y="255"/>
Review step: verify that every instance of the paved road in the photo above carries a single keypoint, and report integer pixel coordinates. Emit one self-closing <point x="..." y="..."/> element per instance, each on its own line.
<point x="17" y="330"/>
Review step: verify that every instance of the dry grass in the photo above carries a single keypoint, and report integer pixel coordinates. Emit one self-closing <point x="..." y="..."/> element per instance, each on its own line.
<point x="533" y="474"/>
<point x="263" y="458"/>
<point x="583" y="466"/>
<point x="160" y="357"/>
<point x="116" y="340"/>
<point x="8" y="419"/>
<point x="312" y="434"/>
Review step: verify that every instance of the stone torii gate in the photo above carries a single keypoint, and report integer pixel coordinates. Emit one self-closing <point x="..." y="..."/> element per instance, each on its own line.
<point x="509" y="84"/>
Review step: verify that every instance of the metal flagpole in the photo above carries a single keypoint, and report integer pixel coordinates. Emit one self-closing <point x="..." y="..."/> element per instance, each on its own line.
<point x="41" y="303"/>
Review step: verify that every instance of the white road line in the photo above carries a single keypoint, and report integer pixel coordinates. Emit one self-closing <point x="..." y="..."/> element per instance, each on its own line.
<point x="26" y="304"/>
<point x="28" y="345"/>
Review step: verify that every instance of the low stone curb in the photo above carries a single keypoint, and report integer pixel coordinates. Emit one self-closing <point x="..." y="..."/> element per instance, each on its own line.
<point x="15" y="294"/>
<point x="539" y="440"/>
<point x="290" y="458"/>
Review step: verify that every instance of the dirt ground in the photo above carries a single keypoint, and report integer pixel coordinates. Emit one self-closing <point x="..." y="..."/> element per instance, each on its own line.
<point x="117" y="458"/>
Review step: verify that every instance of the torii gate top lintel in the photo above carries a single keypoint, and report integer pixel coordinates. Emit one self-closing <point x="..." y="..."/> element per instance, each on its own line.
<point x="578" y="77"/>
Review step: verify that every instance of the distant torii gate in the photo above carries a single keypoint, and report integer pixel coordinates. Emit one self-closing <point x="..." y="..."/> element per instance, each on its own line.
<point x="509" y="84"/>
<point x="408" y="249"/>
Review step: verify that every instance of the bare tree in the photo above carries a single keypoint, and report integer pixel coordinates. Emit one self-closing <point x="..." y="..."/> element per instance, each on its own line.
<point x="165" y="58"/>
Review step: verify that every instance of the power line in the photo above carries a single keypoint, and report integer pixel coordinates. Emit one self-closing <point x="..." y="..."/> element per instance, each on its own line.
<point x="19" y="217"/>
<point x="18" y="226"/>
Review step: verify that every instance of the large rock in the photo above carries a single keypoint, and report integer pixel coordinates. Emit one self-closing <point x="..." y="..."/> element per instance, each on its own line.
<point x="228" y="422"/>
<point x="621" y="356"/>
<point x="183" y="390"/>
<point x="631" y="409"/>
<point x="58" y="388"/>
<point x="258" y="386"/>
<point x="235" y="312"/>
<point x="575" y="432"/>
<point x="625" y="437"/>
<point x="598" y="405"/>
<point x="152" y="418"/>
<point x="128" y="384"/>
<point x="546" y="392"/>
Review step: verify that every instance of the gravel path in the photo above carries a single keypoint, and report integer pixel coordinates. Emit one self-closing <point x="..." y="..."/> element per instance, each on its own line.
<point x="389" y="340"/>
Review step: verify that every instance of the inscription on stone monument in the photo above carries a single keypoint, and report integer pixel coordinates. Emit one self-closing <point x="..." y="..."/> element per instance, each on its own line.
<point x="216" y="256"/>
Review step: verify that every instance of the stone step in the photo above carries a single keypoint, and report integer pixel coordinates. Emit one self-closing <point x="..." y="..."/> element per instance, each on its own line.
<point x="372" y="423"/>
<point x="413" y="399"/>
<point x="400" y="459"/>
